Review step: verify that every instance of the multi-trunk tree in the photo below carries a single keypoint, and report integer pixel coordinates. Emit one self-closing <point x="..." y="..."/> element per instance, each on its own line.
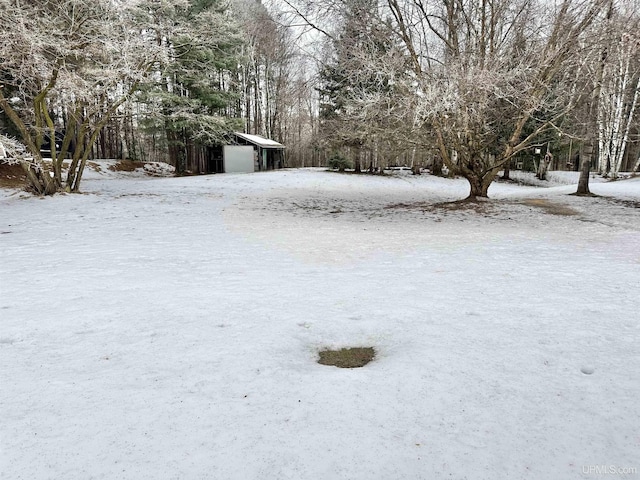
<point x="67" y="66"/>
<point x="486" y="72"/>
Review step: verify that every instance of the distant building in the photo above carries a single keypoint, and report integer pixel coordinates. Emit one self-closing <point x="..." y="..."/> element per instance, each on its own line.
<point x="245" y="153"/>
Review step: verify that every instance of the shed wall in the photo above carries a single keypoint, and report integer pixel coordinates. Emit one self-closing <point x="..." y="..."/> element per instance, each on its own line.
<point x="238" y="159"/>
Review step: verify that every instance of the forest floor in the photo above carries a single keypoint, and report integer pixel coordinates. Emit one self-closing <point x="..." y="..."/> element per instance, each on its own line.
<point x="170" y="328"/>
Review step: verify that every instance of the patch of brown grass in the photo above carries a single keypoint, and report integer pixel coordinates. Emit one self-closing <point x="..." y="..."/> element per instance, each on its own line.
<point x="347" y="357"/>
<point x="12" y="176"/>
<point x="481" y="207"/>
<point x="550" y="207"/>
<point x="125" y="166"/>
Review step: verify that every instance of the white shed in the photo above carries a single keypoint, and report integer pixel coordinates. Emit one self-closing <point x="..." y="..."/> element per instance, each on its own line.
<point x="244" y="153"/>
<point x="268" y="154"/>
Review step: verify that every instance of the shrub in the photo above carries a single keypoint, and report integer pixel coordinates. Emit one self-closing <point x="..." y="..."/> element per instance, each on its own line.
<point x="338" y="162"/>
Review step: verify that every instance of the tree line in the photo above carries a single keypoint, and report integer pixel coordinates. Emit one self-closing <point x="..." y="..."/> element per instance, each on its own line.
<point x="470" y="85"/>
<point x="477" y="84"/>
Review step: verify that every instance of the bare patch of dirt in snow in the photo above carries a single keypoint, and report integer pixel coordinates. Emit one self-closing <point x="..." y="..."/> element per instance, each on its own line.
<point x="551" y="207"/>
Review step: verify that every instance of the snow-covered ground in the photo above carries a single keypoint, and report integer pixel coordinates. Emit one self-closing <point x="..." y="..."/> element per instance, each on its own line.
<point x="168" y="328"/>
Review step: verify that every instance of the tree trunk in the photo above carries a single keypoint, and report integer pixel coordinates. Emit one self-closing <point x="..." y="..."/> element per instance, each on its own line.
<point x="543" y="167"/>
<point x="479" y="187"/>
<point x="174" y="149"/>
<point x="40" y="180"/>
<point x="507" y="170"/>
<point x="358" y="160"/>
<point x="436" y="166"/>
<point x="583" y="183"/>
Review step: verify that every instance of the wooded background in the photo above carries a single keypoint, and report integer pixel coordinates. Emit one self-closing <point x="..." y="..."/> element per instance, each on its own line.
<point x="477" y="86"/>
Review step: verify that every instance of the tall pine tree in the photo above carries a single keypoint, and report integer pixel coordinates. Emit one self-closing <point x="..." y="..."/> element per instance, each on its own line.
<point x="189" y="99"/>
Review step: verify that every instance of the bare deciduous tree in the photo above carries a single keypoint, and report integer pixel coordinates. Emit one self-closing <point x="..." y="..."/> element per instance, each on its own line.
<point x="490" y="78"/>
<point x="67" y="66"/>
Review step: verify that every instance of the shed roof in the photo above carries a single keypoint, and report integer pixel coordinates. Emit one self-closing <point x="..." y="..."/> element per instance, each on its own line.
<point x="259" y="141"/>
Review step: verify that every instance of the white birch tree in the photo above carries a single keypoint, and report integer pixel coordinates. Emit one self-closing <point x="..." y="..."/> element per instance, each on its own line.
<point x="619" y="89"/>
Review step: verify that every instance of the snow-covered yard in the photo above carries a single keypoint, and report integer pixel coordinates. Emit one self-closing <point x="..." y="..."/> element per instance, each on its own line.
<point x="169" y="328"/>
